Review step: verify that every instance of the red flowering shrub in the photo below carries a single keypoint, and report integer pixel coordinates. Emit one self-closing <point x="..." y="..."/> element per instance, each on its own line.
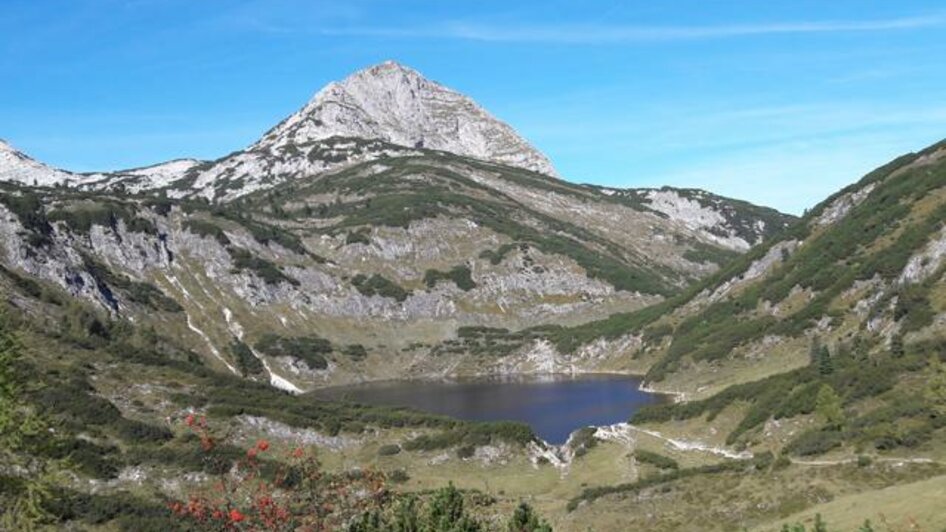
<point x="270" y="490"/>
<point x="287" y="490"/>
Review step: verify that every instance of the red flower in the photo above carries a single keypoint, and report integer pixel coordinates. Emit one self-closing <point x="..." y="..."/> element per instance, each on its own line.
<point x="236" y="516"/>
<point x="189" y="420"/>
<point x="195" y="508"/>
<point x="265" y="501"/>
<point x="297" y="453"/>
<point x="262" y="445"/>
<point x="251" y="453"/>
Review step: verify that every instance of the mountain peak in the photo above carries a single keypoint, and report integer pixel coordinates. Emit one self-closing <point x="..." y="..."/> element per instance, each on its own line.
<point x="390" y="65"/>
<point x="397" y="104"/>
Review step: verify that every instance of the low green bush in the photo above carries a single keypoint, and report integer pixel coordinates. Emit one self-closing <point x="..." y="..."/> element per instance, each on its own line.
<point x="812" y="442"/>
<point x="355" y="351"/>
<point x="81" y="218"/>
<point x="496" y="257"/>
<point x="657" y="460"/>
<point x="466" y="451"/>
<point x="730" y="466"/>
<point x="460" y="275"/>
<point x="311" y="349"/>
<point x="583" y="440"/>
<point x="398" y="476"/>
<point x="129" y="512"/>
<point x="92" y="459"/>
<point x="475" y="434"/>
<point x="28" y="208"/>
<point x="206" y="229"/>
<point x="270" y="273"/>
<point x="360" y="236"/>
<point x="389" y="450"/>
<point x="378" y="285"/>
<point x="137" y="431"/>
<point x="246" y="361"/>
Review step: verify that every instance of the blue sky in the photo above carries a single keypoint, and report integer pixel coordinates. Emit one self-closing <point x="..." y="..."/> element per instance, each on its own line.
<point x="780" y="103"/>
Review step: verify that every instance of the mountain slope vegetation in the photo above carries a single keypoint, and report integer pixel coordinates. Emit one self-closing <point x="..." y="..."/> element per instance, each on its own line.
<point x="823" y="346"/>
<point x="161" y="327"/>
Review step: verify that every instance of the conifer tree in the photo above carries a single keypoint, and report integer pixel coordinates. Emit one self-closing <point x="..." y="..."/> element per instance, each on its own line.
<point x="828" y="407"/>
<point x="525" y="520"/>
<point x="896" y="346"/>
<point x="19" y="428"/>
<point x="825" y="363"/>
<point x="820" y="525"/>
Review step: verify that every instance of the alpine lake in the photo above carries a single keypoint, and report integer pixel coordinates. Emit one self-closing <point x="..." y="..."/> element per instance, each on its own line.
<point x="554" y="405"/>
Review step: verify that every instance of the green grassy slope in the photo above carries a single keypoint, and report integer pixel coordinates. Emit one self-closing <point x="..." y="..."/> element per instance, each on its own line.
<point x="88" y="400"/>
<point x="828" y="353"/>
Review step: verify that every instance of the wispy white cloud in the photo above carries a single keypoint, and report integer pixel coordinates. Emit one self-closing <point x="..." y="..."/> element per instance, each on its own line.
<point x="611" y="34"/>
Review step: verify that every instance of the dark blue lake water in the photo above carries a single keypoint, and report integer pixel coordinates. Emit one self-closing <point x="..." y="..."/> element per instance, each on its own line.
<point x="553" y="405"/>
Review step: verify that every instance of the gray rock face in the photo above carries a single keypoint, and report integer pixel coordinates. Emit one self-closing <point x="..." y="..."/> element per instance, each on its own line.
<point x="728" y="223"/>
<point x="396" y="104"/>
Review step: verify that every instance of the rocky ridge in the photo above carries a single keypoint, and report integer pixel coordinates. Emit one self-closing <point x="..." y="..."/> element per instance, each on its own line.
<point x="387" y="203"/>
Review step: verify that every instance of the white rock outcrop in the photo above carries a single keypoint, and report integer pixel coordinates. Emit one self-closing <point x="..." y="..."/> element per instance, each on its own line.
<point x="17" y="167"/>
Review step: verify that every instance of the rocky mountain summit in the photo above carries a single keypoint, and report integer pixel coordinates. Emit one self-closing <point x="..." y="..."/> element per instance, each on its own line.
<point x="397" y="104"/>
<point x="384" y="111"/>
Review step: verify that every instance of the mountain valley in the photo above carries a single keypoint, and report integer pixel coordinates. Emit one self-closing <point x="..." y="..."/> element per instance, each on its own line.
<point x="393" y="229"/>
